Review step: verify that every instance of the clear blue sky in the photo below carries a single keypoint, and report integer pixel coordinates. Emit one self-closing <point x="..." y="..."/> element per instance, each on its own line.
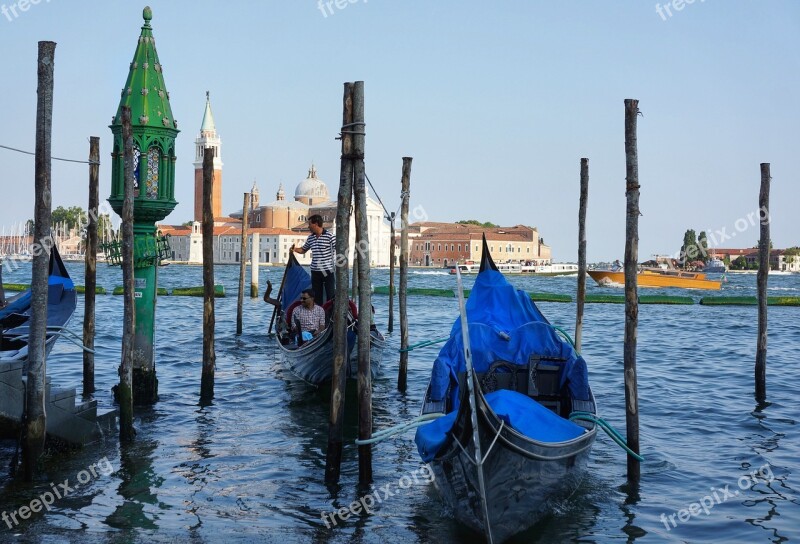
<point x="496" y="101"/>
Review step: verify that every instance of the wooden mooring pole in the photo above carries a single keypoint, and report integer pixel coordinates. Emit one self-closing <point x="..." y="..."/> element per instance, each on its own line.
<point x="354" y="289"/>
<point x="405" y="196"/>
<point x="333" y="457"/>
<point x="255" y="254"/>
<point x="242" y="264"/>
<point x="90" y="275"/>
<point x="364" y="284"/>
<point x="2" y="290"/>
<point x="390" y="327"/>
<point x="581" y="295"/>
<point x="35" y="419"/>
<point x="209" y="356"/>
<point x="761" y="280"/>
<point x="125" y="391"/>
<point x="631" y="300"/>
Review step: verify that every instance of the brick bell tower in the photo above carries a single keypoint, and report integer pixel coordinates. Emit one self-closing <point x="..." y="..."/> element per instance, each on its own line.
<point x="208" y="138"/>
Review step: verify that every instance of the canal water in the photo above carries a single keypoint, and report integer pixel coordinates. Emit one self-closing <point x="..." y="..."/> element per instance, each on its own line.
<point x="249" y="468"/>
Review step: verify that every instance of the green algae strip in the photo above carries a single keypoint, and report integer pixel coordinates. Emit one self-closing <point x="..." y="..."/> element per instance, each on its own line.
<point x="422" y="291"/>
<point x="120" y="290"/>
<point x="664" y="299"/>
<point x="98" y="290"/>
<point x="15" y="286"/>
<point x="24" y="286"/>
<point x="219" y="291"/>
<point x="749" y="301"/>
<point x="643" y="299"/>
<point x="430" y="292"/>
<point x="549" y="297"/>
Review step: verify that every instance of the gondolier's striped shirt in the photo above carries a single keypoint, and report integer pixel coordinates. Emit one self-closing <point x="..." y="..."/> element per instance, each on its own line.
<point x="323" y="249"/>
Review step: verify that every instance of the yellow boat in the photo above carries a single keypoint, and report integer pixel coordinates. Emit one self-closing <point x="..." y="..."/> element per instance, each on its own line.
<point x="656" y="277"/>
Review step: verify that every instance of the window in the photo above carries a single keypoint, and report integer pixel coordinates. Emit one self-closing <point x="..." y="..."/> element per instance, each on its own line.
<point x="459" y="247"/>
<point x="452" y="247"/>
<point x="440" y="247"/>
<point x="476" y="248"/>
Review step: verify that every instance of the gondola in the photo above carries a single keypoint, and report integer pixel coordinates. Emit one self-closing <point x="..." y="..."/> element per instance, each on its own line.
<point x="504" y="443"/>
<point x="15" y="315"/>
<point x="312" y="361"/>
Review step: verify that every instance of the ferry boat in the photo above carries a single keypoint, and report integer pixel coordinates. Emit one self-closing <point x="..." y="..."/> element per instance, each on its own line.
<point x="715" y="266"/>
<point x="471" y="268"/>
<point x="555" y="269"/>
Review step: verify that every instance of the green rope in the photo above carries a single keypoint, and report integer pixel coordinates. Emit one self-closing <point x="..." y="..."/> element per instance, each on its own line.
<point x="611" y="431"/>
<point x="565" y="334"/>
<point x="380" y="436"/>
<point x="425" y="343"/>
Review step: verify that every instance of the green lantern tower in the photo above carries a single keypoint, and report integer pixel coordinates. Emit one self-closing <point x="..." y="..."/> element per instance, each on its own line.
<point x="154" y="131"/>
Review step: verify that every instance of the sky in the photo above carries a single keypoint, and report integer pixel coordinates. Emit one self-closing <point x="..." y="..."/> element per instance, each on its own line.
<point x="496" y="102"/>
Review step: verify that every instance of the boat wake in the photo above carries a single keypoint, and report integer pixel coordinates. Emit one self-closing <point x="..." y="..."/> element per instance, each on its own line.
<point x="431" y="273"/>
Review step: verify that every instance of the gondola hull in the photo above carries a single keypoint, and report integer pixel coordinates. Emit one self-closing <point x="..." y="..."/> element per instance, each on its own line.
<point x="15" y="316"/>
<point x="521" y="475"/>
<point x="313" y="361"/>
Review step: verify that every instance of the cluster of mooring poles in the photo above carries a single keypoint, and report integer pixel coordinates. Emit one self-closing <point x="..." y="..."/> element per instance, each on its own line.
<point x="352" y="187"/>
<point x="630" y="267"/>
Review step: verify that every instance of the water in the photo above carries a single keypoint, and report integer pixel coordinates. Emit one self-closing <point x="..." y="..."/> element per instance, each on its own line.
<point x="251" y="466"/>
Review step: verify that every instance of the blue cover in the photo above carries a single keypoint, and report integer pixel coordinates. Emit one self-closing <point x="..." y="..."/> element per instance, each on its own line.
<point x="297" y="280"/>
<point x="519" y="411"/>
<point x="496" y="311"/>
<point x="22" y="303"/>
<point x="504" y="324"/>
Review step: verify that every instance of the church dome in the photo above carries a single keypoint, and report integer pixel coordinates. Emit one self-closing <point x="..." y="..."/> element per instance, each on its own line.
<point x="312" y="187"/>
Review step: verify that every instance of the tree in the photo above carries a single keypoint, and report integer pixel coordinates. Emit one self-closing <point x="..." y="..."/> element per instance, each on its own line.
<point x="740" y="263"/>
<point x="792" y="252"/>
<point x="71" y="218"/>
<point x="486" y="225"/>
<point x="689" y="250"/>
<point x="702" y="244"/>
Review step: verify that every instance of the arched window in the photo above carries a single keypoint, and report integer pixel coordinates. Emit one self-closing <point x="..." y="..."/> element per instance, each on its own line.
<point x="151" y="186"/>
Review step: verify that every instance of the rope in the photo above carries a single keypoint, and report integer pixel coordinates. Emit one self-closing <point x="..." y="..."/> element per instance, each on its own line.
<point x="54" y="158"/>
<point x="380" y="436"/>
<point x="566" y="335"/>
<point x="610" y="431"/>
<point x="425" y="343"/>
<point x="378" y="196"/>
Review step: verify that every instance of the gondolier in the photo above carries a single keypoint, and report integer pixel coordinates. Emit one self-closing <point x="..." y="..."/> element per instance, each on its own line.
<point x="322" y="245"/>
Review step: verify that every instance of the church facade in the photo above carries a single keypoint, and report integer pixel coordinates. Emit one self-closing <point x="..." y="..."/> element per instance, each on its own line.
<point x="279" y="223"/>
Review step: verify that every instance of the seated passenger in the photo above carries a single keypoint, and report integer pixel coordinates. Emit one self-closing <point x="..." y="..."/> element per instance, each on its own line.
<point x="309" y="316"/>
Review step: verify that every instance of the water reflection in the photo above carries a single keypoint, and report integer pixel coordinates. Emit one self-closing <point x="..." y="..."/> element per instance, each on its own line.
<point x="138" y="482"/>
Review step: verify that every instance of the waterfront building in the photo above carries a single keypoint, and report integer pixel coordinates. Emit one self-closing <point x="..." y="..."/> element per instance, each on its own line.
<point x="445" y="244"/>
<point x="778" y="259"/>
<point x="186" y="243"/>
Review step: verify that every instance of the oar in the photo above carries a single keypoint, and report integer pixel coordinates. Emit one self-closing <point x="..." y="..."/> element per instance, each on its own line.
<point x="476" y="437"/>
<point x="280" y="292"/>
